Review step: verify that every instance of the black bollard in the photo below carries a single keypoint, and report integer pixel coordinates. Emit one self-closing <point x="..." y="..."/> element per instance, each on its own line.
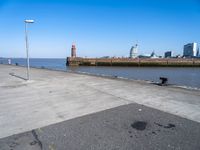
<point x="164" y="80"/>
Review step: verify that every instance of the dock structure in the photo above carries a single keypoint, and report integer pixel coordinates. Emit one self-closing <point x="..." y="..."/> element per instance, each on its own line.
<point x="135" y="62"/>
<point x="64" y="110"/>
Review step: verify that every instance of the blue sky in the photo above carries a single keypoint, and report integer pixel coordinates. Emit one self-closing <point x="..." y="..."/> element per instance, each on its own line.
<point x="97" y="27"/>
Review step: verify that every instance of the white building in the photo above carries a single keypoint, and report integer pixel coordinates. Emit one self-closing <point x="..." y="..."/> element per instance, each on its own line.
<point x="190" y="50"/>
<point x="134" y="51"/>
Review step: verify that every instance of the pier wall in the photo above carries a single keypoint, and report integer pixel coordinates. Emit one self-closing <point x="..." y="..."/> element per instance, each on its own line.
<point x="160" y="62"/>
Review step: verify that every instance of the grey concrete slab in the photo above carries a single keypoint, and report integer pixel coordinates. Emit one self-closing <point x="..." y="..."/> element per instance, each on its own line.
<point x="52" y="97"/>
<point x="128" y="127"/>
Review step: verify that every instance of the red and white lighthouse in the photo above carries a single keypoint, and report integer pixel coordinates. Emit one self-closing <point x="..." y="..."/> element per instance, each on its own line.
<point x="73" y="50"/>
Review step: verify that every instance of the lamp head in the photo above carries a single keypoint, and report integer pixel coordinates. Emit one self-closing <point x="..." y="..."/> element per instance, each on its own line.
<point x="29" y="21"/>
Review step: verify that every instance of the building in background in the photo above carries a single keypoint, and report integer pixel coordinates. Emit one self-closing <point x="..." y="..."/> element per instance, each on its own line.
<point x="178" y="56"/>
<point x="144" y="56"/>
<point x="190" y="50"/>
<point x="198" y="52"/>
<point x="73" y="51"/>
<point x="168" y="54"/>
<point x="153" y="55"/>
<point x="134" y="51"/>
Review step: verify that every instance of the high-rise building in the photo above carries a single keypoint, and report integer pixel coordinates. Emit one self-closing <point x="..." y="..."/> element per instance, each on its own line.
<point x="134" y="51"/>
<point x="73" y="51"/>
<point x="198" y="52"/>
<point x="168" y="54"/>
<point x="190" y="50"/>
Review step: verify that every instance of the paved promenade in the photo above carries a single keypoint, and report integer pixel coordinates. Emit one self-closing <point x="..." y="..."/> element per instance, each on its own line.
<point x="94" y="112"/>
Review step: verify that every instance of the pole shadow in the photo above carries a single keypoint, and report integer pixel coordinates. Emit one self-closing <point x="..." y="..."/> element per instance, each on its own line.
<point x="14" y="75"/>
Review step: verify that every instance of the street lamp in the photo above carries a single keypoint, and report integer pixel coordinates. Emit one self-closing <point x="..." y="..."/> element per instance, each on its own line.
<point x="27" y="46"/>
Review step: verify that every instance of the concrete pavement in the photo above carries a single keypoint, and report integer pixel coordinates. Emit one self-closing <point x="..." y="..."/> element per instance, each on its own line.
<point x="127" y="127"/>
<point x="53" y="97"/>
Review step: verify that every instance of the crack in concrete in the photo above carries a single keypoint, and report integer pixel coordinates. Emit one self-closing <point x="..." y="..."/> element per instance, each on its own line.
<point x="37" y="139"/>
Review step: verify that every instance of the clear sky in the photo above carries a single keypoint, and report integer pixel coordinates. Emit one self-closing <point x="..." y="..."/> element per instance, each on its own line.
<point x="97" y="27"/>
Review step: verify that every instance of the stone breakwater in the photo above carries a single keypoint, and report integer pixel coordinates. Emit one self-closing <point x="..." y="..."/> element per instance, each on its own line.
<point x="137" y="62"/>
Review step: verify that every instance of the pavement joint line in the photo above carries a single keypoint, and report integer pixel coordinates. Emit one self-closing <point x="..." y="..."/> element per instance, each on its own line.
<point x="124" y="99"/>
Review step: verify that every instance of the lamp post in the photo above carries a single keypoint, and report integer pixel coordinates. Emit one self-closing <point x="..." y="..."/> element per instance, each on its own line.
<point x="27" y="46"/>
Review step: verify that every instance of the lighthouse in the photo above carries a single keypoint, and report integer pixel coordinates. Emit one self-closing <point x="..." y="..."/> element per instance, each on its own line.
<point x="73" y="50"/>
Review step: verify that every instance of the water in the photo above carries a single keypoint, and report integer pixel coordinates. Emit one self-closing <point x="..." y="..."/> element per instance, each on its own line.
<point x="189" y="77"/>
<point x="56" y="64"/>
